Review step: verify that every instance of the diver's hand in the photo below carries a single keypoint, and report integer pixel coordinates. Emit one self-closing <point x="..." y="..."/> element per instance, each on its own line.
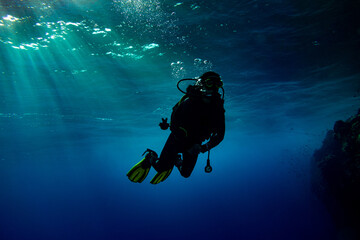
<point x="204" y="148"/>
<point x="195" y="150"/>
<point x="164" y="125"/>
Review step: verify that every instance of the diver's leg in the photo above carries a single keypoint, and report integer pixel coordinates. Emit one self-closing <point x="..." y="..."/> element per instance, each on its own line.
<point x="188" y="164"/>
<point x="168" y="155"/>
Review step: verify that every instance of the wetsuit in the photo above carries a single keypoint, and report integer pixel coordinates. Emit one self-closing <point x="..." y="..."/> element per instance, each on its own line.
<point x="193" y="121"/>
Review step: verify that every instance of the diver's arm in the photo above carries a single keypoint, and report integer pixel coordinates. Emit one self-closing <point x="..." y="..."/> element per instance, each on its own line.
<point x="217" y="136"/>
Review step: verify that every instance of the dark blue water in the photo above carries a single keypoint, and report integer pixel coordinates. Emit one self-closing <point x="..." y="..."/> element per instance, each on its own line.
<point x="84" y="84"/>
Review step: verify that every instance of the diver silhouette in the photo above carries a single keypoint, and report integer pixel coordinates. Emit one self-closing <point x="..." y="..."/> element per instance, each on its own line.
<point x="198" y="117"/>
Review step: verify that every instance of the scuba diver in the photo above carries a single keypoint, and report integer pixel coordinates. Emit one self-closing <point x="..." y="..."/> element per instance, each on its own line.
<point x="197" y="117"/>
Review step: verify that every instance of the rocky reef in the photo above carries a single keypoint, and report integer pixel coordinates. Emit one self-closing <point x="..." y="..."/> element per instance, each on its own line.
<point x="336" y="175"/>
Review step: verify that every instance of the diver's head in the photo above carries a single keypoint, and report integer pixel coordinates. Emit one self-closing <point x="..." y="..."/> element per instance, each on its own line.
<point x="210" y="83"/>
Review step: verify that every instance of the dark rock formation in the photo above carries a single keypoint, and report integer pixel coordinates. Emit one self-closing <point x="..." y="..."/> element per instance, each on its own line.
<point x="336" y="175"/>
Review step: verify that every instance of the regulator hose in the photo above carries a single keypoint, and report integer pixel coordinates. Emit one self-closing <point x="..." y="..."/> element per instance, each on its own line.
<point x="194" y="79"/>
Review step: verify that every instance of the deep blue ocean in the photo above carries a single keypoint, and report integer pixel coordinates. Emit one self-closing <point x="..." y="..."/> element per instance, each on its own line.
<point x="85" y="83"/>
